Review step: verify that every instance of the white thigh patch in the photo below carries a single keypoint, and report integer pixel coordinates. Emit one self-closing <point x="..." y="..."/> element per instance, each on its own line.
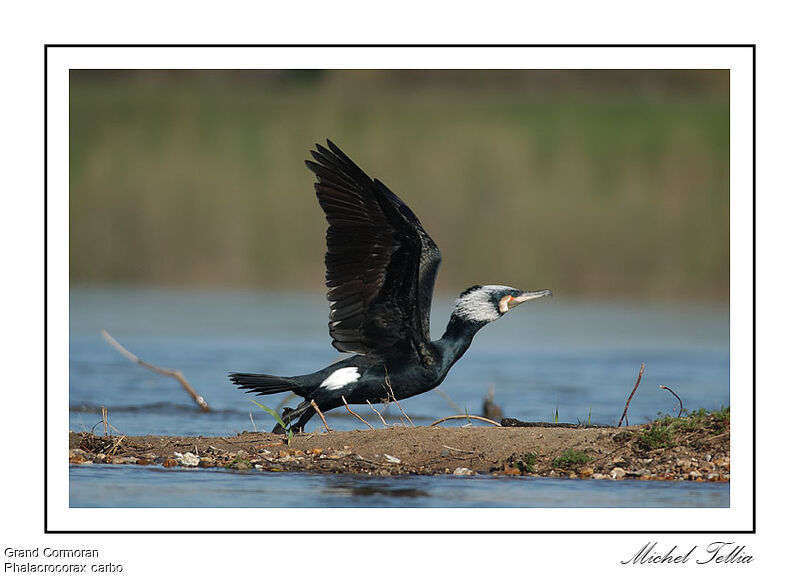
<point x="341" y="377"/>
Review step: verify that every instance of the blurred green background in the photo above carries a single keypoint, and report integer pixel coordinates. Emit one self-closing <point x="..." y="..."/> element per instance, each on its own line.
<point x="599" y="184"/>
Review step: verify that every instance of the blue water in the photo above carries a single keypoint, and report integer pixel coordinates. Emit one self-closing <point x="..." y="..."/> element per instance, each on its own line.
<point x="131" y="486"/>
<point x="577" y="358"/>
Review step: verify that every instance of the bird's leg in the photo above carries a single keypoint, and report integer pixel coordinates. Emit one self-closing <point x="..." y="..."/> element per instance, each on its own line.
<point x="307" y="413"/>
<point x="289" y="415"/>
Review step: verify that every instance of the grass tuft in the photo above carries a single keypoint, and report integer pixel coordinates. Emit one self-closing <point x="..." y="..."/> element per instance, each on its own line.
<point x="570" y="458"/>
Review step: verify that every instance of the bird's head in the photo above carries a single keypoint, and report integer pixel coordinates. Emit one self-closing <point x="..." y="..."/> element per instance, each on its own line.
<point x="486" y="303"/>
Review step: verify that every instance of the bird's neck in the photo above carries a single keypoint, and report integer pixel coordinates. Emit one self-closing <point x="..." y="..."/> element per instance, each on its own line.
<point x="457" y="338"/>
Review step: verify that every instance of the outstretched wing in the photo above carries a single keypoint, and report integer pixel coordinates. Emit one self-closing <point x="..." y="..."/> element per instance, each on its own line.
<point x="381" y="264"/>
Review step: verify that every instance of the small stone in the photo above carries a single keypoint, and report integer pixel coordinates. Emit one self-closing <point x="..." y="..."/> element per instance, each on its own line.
<point x="617" y="474"/>
<point x="445" y="453"/>
<point x="463" y="472"/>
<point x="170" y="463"/>
<point x="708" y="457"/>
<point x="391" y="459"/>
<point x="713" y="477"/>
<point x="315" y="451"/>
<point x="206" y="463"/>
<point x="694" y="474"/>
<point x="189" y="460"/>
<point x="586" y="472"/>
<point x="509" y="471"/>
<point x="683" y="463"/>
<point x="598" y="476"/>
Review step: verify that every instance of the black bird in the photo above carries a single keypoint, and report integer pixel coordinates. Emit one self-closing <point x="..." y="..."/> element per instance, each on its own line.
<point x="381" y="268"/>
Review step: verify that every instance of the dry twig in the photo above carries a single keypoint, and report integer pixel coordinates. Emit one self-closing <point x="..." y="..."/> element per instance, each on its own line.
<point x="680" y="412"/>
<point x="448" y="399"/>
<point x="347" y="407"/>
<point x="464" y="416"/>
<point x="383" y="421"/>
<point x="168" y="372"/>
<point x="630" y="397"/>
<point x="394" y="398"/>
<point x="319" y="413"/>
<point x="116" y="445"/>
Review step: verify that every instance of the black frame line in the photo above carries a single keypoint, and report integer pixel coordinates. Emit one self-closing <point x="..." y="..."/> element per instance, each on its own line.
<point x="516" y="46"/>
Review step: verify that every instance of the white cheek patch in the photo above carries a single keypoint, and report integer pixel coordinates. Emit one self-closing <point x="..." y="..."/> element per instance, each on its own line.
<point x="341" y="377"/>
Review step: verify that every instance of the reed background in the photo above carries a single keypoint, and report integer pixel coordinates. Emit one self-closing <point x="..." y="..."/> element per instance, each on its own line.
<point x="606" y="184"/>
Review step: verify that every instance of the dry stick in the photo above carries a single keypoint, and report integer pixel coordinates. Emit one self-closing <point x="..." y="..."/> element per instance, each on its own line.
<point x="630" y="397"/>
<point x="479" y="418"/>
<point x="168" y="372"/>
<point x="383" y="421"/>
<point x="319" y="413"/>
<point x="104" y="418"/>
<point x="448" y="399"/>
<point x="116" y="445"/>
<point x="394" y="398"/>
<point x="680" y="412"/>
<point x="355" y="414"/>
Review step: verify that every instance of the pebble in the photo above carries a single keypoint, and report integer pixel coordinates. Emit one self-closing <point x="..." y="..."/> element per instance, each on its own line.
<point x="599" y="476"/>
<point x="586" y="471"/>
<point x="463" y="472"/>
<point x="189" y="460"/>
<point x="683" y="463"/>
<point x="170" y="463"/>
<point x="617" y="474"/>
<point x="391" y="459"/>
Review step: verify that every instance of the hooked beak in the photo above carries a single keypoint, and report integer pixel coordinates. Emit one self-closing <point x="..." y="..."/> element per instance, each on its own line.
<point x="528" y="295"/>
<point x="509" y="302"/>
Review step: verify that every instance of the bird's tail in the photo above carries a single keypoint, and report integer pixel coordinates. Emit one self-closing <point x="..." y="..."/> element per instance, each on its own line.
<point x="261" y="383"/>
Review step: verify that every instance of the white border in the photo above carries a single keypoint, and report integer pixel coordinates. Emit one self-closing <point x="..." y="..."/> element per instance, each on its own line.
<point x="737" y="517"/>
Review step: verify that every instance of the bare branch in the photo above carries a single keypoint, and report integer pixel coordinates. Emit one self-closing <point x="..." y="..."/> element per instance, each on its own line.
<point x="630" y="397"/>
<point x="355" y="414"/>
<point x="383" y="421"/>
<point x="394" y="398"/>
<point x="464" y="416"/>
<point x="168" y="372"/>
<point x="680" y="412"/>
<point x="319" y="413"/>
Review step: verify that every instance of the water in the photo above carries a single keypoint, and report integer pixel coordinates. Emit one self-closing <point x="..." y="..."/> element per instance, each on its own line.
<point x="576" y="358"/>
<point x="131" y="486"/>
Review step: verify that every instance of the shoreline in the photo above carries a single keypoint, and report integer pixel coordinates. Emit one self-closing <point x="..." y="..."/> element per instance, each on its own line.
<point x="695" y="448"/>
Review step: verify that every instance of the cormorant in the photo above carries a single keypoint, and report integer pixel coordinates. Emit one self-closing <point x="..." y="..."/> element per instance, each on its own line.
<point x="381" y="267"/>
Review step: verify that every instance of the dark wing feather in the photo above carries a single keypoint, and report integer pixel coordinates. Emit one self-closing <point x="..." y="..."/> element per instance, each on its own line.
<point x="381" y="264"/>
